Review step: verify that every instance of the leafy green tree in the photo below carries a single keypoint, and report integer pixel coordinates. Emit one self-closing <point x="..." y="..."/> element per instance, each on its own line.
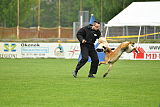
<point x="103" y="10"/>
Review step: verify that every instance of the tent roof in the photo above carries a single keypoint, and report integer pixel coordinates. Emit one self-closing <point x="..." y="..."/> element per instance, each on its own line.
<point x="138" y="14"/>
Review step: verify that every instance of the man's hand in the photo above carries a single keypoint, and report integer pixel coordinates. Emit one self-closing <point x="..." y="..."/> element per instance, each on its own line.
<point x="84" y="41"/>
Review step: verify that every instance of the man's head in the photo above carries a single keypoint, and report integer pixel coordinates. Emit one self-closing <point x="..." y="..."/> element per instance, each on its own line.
<point x="96" y="25"/>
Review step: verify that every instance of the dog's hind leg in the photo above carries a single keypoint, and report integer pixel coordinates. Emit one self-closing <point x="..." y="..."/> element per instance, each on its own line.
<point x="109" y="69"/>
<point x="103" y="62"/>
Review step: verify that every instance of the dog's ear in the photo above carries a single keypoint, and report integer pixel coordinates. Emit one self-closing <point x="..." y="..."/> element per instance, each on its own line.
<point x="131" y="42"/>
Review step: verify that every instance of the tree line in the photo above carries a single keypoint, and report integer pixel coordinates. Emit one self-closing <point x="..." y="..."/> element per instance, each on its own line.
<point x="103" y="10"/>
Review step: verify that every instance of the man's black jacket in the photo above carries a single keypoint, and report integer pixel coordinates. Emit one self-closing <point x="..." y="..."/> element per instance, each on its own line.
<point x="88" y="34"/>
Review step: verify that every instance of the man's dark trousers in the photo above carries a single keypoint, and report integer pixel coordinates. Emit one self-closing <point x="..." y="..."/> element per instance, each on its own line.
<point x="88" y="50"/>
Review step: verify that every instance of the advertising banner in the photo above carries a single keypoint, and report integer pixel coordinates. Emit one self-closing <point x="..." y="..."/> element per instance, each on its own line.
<point x="145" y="52"/>
<point x="9" y="50"/>
<point x="148" y="52"/>
<point x="70" y="51"/>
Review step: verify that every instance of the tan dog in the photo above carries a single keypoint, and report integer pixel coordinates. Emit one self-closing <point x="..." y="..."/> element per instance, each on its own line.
<point x="113" y="56"/>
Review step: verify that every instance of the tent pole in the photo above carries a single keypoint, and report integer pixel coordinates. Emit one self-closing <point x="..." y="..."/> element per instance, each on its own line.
<point x="138" y="40"/>
<point x="139" y="34"/>
<point x="123" y="31"/>
<point x="144" y="32"/>
<point x="127" y="30"/>
<point x="106" y="32"/>
<point x="154" y="32"/>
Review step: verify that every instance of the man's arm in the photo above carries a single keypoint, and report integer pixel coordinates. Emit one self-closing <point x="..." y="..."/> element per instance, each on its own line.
<point x="81" y="35"/>
<point x="99" y="34"/>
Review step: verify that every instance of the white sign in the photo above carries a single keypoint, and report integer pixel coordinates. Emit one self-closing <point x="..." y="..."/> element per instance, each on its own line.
<point x="69" y="51"/>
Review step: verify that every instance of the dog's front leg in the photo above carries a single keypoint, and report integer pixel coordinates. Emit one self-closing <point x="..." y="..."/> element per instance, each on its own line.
<point x="135" y="50"/>
<point x="109" y="69"/>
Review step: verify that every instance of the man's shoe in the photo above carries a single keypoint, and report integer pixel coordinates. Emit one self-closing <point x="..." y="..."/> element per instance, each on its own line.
<point x="91" y="76"/>
<point x="74" y="74"/>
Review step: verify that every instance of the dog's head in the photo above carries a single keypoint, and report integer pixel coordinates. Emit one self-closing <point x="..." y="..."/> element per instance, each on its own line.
<point x="128" y="47"/>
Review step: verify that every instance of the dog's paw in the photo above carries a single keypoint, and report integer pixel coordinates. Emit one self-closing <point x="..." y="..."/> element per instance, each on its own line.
<point x="105" y="75"/>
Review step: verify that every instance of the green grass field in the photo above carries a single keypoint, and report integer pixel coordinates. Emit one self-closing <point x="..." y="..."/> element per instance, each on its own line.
<point x="49" y="83"/>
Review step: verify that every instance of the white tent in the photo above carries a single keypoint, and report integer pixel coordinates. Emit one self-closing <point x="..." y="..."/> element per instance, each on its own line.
<point x="137" y="14"/>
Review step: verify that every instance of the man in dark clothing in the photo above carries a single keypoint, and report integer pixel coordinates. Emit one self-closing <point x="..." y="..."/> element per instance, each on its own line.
<point x="87" y="37"/>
